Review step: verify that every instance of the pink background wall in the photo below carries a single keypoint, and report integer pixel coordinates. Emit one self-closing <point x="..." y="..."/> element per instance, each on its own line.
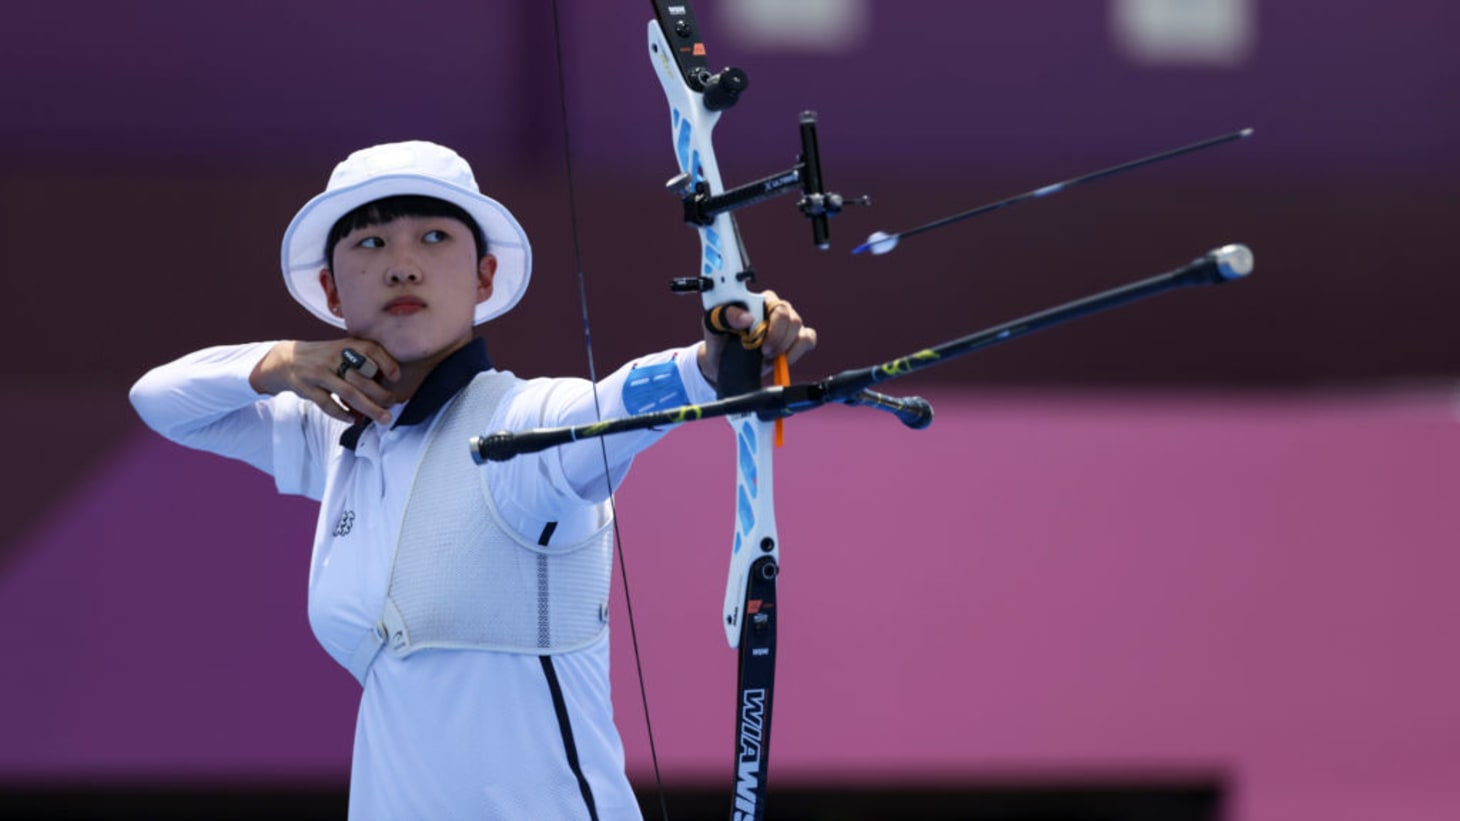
<point x="1043" y="585"/>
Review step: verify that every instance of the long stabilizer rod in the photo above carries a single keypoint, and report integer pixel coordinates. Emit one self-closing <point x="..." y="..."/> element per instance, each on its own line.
<point x="851" y="387"/>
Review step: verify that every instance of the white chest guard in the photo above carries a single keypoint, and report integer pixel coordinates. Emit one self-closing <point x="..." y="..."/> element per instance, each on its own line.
<point x="461" y="579"/>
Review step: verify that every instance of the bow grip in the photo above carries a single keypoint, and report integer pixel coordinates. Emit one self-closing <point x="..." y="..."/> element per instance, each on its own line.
<point x="740" y="366"/>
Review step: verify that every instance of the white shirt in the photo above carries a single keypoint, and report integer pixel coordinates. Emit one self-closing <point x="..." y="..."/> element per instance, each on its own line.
<point x="440" y="734"/>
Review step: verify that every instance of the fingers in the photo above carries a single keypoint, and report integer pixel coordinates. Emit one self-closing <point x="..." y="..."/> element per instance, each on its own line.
<point x="782" y="332"/>
<point x="327" y="403"/>
<point x="353" y="359"/>
<point x="805" y="343"/>
<point x="786" y="333"/>
<point x="332" y="375"/>
<point x="364" y="395"/>
<point x="362" y="368"/>
<point x="737" y="318"/>
<point x="377" y="364"/>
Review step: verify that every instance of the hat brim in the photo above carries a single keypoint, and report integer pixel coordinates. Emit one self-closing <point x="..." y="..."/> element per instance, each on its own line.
<point x="303" y="248"/>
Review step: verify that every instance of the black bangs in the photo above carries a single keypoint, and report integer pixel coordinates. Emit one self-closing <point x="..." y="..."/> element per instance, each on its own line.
<point x="382" y="211"/>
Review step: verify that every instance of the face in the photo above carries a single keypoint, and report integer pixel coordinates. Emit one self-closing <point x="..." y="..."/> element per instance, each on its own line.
<point x="411" y="285"/>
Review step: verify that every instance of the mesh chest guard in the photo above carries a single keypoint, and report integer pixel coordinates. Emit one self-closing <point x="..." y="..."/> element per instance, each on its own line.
<point x="461" y="579"/>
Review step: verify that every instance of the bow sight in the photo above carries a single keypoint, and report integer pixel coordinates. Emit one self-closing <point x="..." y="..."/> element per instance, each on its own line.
<point x="818" y="204"/>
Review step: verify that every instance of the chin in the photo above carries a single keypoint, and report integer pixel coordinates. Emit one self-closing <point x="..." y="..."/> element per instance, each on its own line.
<point x="407" y="349"/>
<point x="408" y="353"/>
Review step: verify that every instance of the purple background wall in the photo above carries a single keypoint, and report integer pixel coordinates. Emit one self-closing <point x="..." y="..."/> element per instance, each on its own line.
<point x="1206" y="534"/>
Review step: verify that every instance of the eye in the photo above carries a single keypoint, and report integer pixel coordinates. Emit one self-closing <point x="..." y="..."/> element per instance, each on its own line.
<point x="371" y="242"/>
<point x="435" y="236"/>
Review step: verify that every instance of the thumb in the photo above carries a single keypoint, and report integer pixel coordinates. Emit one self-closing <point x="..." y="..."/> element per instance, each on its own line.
<point x="737" y="317"/>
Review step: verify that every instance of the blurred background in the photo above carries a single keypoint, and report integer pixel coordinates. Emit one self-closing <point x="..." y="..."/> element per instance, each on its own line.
<point x="1190" y="559"/>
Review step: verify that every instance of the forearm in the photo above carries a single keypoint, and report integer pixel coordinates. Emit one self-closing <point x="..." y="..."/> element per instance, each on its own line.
<point x="651" y="383"/>
<point x="536" y="486"/>
<point x="204" y="401"/>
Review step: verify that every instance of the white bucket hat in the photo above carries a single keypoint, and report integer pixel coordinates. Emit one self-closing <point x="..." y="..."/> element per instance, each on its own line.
<point x="395" y="169"/>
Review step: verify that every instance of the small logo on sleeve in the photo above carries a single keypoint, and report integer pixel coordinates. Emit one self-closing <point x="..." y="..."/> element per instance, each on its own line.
<point x="346" y="524"/>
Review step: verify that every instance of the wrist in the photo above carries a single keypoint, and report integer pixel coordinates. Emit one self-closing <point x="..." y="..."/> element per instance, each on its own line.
<point x="262" y="378"/>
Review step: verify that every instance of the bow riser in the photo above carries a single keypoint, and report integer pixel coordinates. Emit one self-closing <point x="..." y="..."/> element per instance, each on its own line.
<point x="723" y="265"/>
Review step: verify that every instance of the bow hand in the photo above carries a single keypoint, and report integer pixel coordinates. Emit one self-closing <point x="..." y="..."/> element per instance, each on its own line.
<point x="740" y="344"/>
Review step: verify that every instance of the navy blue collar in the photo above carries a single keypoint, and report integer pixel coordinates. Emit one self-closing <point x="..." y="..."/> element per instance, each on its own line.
<point x="443" y="382"/>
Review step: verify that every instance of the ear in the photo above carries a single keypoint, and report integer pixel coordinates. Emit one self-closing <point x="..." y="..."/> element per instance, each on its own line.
<point x="486" y="271"/>
<point x="331" y="293"/>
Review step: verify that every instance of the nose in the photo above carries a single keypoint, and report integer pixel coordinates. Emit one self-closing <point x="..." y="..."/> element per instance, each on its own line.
<point x="403" y="269"/>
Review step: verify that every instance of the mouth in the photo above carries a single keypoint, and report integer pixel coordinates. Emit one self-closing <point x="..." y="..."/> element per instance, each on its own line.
<point x="404" y="306"/>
